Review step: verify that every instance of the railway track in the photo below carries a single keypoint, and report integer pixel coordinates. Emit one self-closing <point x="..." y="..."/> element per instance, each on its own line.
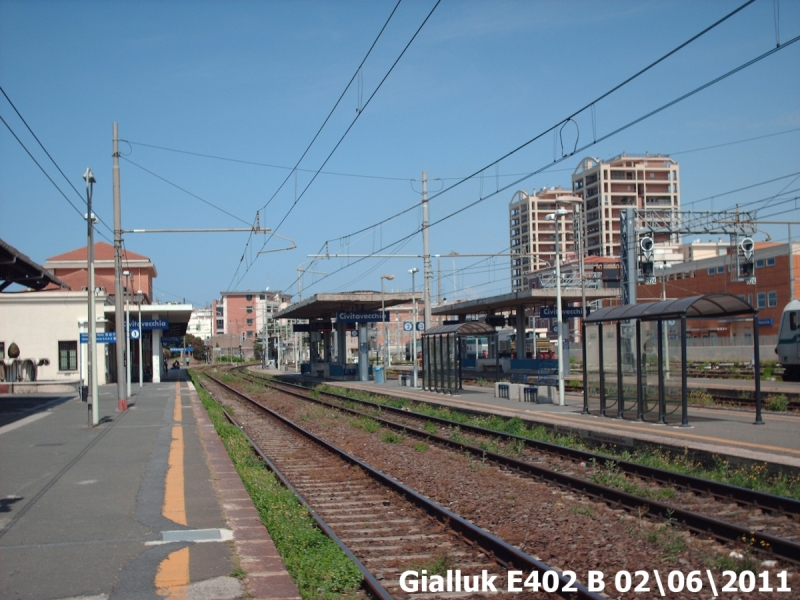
<point x="729" y="513"/>
<point x="386" y="527"/>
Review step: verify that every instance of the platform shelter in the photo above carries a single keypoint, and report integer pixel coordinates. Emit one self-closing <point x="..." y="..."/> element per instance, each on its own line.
<point x="330" y="317"/>
<point x="511" y="308"/>
<point x="442" y="348"/>
<point x="635" y="355"/>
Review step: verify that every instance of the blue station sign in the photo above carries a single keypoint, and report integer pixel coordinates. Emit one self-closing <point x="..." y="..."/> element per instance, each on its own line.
<point x="361" y="316"/>
<point x="150" y="324"/>
<point x="102" y="337"/>
<point x="568" y="312"/>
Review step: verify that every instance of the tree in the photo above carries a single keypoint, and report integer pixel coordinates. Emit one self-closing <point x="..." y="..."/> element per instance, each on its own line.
<point x="198" y="347"/>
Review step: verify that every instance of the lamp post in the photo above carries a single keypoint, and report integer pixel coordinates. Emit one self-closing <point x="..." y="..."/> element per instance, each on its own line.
<point x="127" y="275"/>
<point x="139" y="298"/>
<point x="385" y="326"/>
<point x="559" y="318"/>
<point x="91" y="342"/>
<point x="414" y="331"/>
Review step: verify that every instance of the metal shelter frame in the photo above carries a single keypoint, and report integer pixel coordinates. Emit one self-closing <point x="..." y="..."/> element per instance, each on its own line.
<point x="695" y="307"/>
<point x="441" y="354"/>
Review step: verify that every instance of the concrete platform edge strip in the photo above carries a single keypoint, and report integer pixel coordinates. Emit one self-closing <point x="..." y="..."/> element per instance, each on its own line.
<point x="279" y="584"/>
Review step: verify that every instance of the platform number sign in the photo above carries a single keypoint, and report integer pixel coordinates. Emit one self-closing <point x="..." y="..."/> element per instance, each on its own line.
<point x="408" y="326"/>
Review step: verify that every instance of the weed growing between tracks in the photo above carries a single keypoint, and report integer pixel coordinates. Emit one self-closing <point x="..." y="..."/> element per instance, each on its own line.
<point x="318" y="567"/>
<point x="754" y="477"/>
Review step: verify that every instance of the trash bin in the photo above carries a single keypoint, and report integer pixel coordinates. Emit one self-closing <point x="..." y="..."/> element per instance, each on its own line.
<point x="378" y="374"/>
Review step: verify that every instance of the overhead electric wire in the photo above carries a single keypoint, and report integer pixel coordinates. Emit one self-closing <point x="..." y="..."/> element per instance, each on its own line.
<point x="360" y="112"/>
<point x="185" y="191"/>
<point x="581" y="149"/>
<point x="760" y="137"/>
<point x="741" y="189"/>
<point x="55" y="185"/>
<point x="567" y="119"/>
<point x="48" y="156"/>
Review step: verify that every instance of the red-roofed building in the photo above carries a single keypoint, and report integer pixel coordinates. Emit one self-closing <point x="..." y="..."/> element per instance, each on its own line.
<point x="70" y="267"/>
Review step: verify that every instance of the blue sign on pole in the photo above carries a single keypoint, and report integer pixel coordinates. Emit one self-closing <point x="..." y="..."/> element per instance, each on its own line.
<point x="361" y="316"/>
<point x="551" y="312"/>
<point x="420" y="325"/>
<point x="102" y="337"/>
<point x="765" y="322"/>
<point x="408" y="326"/>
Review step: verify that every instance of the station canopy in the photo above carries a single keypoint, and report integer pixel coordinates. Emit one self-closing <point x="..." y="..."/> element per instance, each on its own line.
<point x="535" y="297"/>
<point x="694" y="307"/>
<point x="325" y="306"/>
<point x="17" y="268"/>
<point x="468" y="328"/>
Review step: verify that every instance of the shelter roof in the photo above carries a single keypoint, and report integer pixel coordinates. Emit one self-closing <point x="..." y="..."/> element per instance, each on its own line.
<point x="465" y="328"/>
<point x="15" y="267"/>
<point x="694" y="307"/>
<point x="535" y="297"/>
<point x="325" y="306"/>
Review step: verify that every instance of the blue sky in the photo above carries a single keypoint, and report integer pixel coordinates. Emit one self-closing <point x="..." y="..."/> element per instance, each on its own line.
<point x="253" y="82"/>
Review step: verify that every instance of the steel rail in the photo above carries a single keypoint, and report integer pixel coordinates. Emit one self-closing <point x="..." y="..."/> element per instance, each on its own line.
<point x="722" y="530"/>
<point x="499" y="550"/>
<point x="370" y="582"/>
<point x="738" y="494"/>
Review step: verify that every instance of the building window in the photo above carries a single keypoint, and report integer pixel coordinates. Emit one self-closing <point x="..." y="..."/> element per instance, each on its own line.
<point x="248" y="297"/>
<point x="761" y="298"/>
<point x="711" y="270"/>
<point x="770" y="262"/>
<point x="249" y="334"/>
<point x="750" y="299"/>
<point x="721" y="269"/>
<point x="249" y="321"/>
<point x="249" y="309"/>
<point x="220" y="323"/>
<point x="67" y="356"/>
<point x="759" y="264"/>
<point x="772" y="299"/>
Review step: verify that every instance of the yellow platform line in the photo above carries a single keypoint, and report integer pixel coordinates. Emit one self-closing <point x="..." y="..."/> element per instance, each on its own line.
<point x="174" y="507"/>
<point x="172" y="578"/>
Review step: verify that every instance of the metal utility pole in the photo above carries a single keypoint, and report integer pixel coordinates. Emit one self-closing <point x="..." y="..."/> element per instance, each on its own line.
<point x="414" y="333"/>
<point x="122" y="400"/>
<point x="91" y="342"/>
<point x="426" y="253"/>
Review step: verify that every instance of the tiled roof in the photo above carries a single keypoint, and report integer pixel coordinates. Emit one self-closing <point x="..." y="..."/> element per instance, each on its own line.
<point x="102" y="251"/>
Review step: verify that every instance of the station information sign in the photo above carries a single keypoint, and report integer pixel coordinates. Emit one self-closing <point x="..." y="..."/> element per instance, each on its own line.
<point x="567" y="312"/>
<point x="102" y="337"/>
<point x="361" y="316"/>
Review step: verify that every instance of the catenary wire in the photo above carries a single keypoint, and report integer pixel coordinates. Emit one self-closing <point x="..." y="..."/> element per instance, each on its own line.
<point x="313" y="178"/>
<point x="55" y="185"/>
<point x="592" y="143"/>
<point x="185" y="191"/>
<point x="565" y="120"/>
<point x="48" y="156"/>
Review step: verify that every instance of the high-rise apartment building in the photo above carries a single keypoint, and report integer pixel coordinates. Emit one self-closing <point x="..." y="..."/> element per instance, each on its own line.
<point x="608" y="187"/>
<point x="533" y="237"/>
<point x="247" y="312"/>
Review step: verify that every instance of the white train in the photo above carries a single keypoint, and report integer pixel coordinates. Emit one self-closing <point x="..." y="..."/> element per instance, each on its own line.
<point x="788" y="349"/>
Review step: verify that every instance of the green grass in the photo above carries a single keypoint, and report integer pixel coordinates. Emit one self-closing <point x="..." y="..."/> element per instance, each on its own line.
<point x="777" y="402"/>
<point x="366" y="423"/>
<point x="420" y="447"/>
<point x="318" y="567"/>
<point x="752" y="477"/>
<point x="392" y="438"/>
<point x="609" y="475"/>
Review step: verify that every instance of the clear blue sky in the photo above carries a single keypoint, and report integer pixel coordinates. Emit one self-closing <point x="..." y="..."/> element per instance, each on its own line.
<point x="253" y="81"/>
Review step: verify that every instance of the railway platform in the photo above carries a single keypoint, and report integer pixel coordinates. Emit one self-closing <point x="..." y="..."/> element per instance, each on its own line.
<point x="147" y="505"/>
<point x="720" y="431"/>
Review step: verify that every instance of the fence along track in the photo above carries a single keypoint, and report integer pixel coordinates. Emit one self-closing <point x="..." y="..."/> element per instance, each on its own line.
<point x="380" y="523"/>
<point x="787" y="549"/>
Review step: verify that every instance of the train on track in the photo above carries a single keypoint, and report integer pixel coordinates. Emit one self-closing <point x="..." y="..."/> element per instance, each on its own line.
<point x="788" y="349"/>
